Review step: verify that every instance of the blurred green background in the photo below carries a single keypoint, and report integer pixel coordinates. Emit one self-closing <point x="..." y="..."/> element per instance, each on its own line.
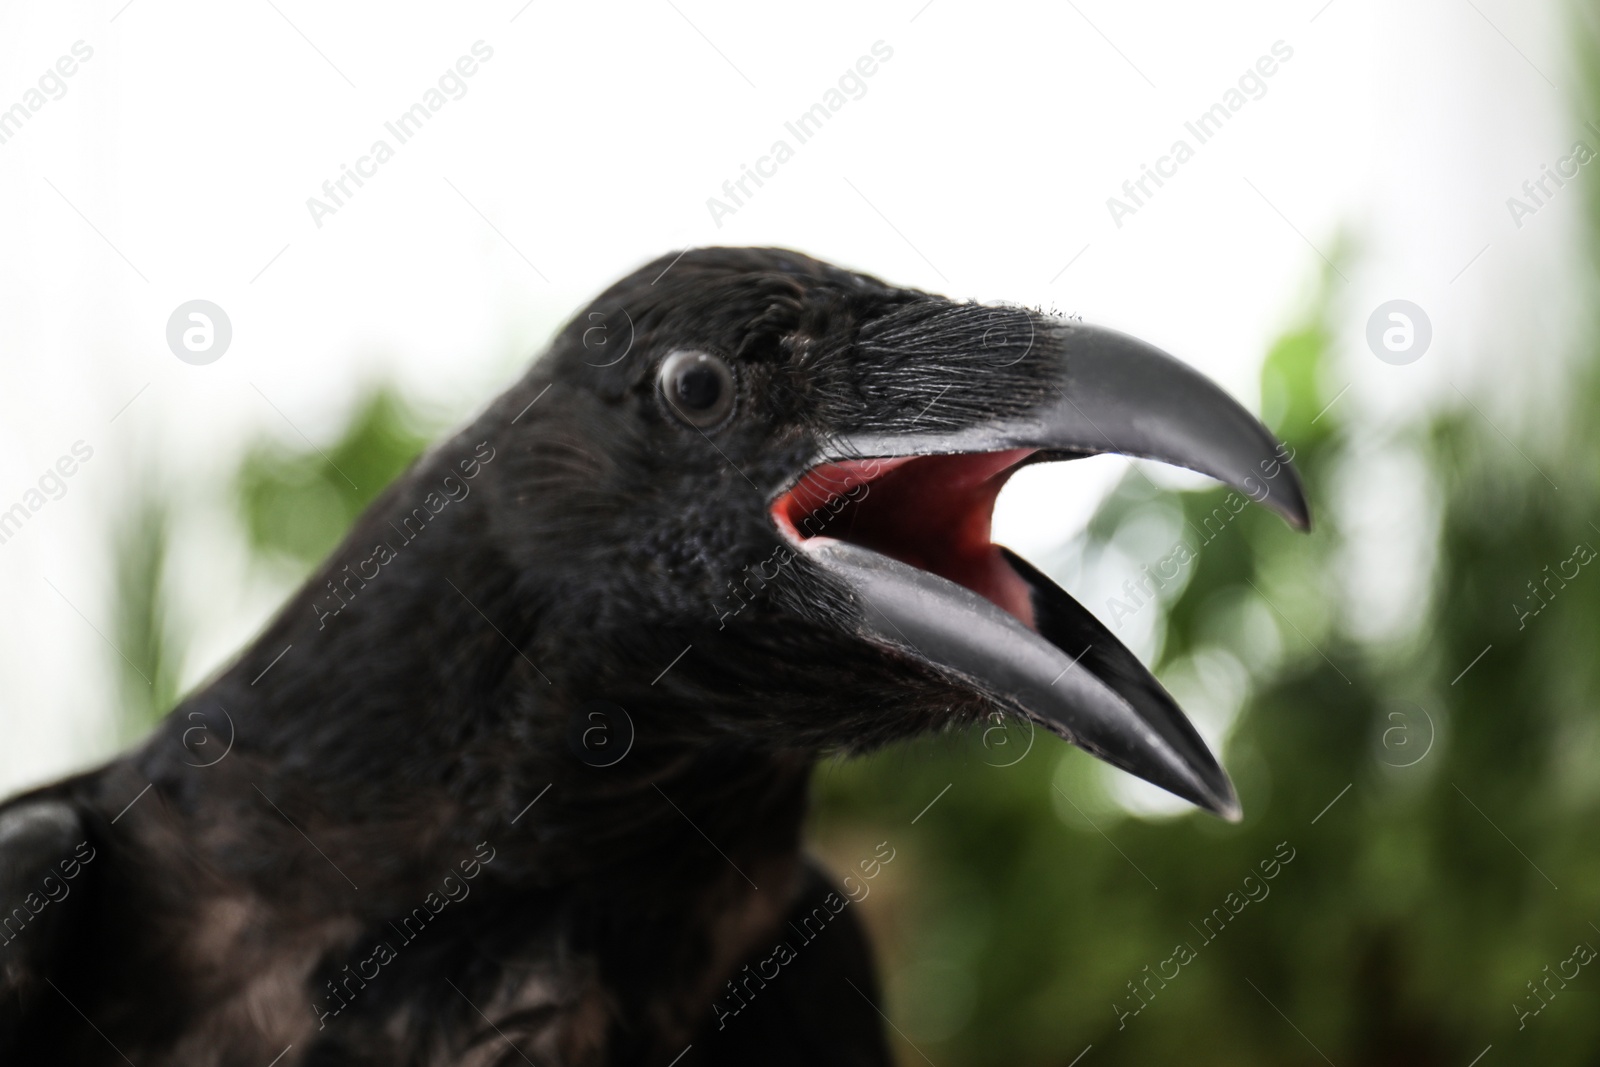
<point x="1434" y="785"/>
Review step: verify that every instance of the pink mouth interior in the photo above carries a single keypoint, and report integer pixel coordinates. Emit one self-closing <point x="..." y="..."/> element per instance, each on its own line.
<point x="932" y="512"/>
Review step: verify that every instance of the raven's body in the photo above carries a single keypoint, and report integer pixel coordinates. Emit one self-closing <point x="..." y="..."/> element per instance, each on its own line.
<point x="387" y="734"/>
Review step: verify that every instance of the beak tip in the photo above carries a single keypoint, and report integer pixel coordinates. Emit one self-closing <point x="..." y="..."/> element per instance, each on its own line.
<point x="1215" y="793"/>
<point x="1219" y="800"/>
<point x="1293" y="505"/>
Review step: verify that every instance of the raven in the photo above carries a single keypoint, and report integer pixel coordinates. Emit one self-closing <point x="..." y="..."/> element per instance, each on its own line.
<point x="519" y="775"/>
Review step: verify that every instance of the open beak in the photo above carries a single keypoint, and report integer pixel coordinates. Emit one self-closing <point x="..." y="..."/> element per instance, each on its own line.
<point x="897" y="512"/>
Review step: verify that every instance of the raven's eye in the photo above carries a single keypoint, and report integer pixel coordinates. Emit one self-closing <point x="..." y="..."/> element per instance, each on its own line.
<point x="698" y="387"/>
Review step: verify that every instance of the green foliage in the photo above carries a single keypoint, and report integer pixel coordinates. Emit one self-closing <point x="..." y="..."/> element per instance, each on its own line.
<point x="1407" y="923"/>
<point x="295" y="505"/>
<point x="298" y="503"/>
<point x="149" y="651"/>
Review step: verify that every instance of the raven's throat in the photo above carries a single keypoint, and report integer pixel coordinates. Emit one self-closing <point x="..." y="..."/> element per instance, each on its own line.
<point x="932" y="512"/>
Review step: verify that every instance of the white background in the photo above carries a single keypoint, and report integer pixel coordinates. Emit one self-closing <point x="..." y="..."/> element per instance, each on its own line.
<point x="978" y="163"/>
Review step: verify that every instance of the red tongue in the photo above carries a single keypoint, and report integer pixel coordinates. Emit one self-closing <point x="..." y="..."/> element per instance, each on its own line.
<point x="932" y="512"/>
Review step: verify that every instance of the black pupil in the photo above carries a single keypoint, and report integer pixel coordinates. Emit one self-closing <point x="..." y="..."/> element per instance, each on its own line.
<point x="699" y="387"/>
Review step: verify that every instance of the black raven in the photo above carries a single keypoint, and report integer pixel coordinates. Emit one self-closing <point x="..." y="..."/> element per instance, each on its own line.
<point x="519" y="775"/>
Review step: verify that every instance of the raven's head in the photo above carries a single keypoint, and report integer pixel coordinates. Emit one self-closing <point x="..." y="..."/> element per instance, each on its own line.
<point x="788" y="469"/>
